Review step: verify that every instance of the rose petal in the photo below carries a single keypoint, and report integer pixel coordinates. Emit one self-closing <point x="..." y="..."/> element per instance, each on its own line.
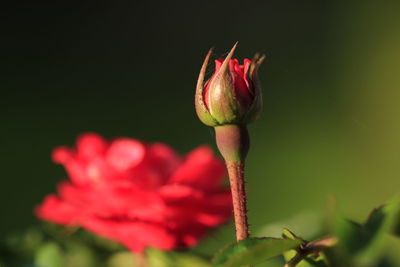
<point x="163" y="158"/>
<point x="130" y="202"/>
<point x="201" y="169"/>
<point x="135" y="235"/>
<point x="55" y="210"/>
<point x="176" y="192"/>
<point x="90" y="145"/>
<point x="125" y="153"/>
<point x="61" y="155"/>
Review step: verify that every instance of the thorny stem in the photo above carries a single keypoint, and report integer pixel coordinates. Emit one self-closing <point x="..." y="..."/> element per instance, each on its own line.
<point x="233" y="142"/>
<point x="236" y="179"/>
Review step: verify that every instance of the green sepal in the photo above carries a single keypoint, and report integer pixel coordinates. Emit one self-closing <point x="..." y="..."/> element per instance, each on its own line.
<point x="201" y="109"/>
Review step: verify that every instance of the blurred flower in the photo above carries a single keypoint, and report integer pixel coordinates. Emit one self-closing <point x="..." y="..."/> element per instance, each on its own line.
<point x="232" y="95"/>
<point x="139" y="194"/>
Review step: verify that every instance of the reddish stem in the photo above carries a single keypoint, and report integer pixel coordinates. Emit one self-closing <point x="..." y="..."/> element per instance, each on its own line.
<point x="236" y="179"/>
<point x="233" y="142"/>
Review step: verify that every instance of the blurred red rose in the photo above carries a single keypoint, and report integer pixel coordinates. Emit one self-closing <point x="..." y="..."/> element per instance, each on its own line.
<point x="139" y="194"/>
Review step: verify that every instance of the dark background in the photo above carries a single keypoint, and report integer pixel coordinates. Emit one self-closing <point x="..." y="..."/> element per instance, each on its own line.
<point x="331" y="84"/>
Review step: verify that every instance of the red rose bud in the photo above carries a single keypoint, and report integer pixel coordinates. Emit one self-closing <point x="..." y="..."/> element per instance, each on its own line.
<point x="228" y="101"/>
<point x="232" y="95"/>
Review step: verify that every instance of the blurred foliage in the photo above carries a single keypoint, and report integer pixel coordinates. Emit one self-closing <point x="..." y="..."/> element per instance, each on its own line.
<point x="339" y="243"/>
<point x="55" y="246"/>
<point x="252" y="251"/>
<point x="343" y="243"/>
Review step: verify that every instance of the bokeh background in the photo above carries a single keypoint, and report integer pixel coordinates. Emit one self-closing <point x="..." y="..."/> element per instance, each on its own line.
<point x="331" y="80"/>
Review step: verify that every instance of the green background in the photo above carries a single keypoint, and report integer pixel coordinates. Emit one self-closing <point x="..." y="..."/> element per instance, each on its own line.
<point x="331" y="82"/>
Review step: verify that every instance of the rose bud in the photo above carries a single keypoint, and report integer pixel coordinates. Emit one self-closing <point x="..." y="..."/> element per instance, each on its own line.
<point x="232" y="95"/>
<point x="228" y="101"/>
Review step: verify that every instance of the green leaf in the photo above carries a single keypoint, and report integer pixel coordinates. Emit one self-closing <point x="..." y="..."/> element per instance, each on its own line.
<point x="286" y="233"/>
<point x="158" y="258"/>
<point x="384" y="219"/>
<point x="252" y="250"/>
<point x="364" y="244"/>
<point x="186" y="259"/>
<point x="309" y="262"/>
<point x="392" y="250"/>
<point x="380" y="224"/>
<point x="79" y="255"/>
<point x="122" y="259"/>
<point x="352" y="236"/>
<point x="49" y="255"/>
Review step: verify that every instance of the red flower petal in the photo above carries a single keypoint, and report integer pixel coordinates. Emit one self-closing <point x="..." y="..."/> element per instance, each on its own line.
<point x="135" y="235"/>
<point x="242" y="91"/>
<point x="55" y="210"/>
<point x="90" y="145"/>
<point x="131" y="203"/>
<point x="200" y="170"/>
<point x="125" y="153"/>
<point x="188" y="206"/>
<point x="193" y="206"/>
<point x="163" y="158"/>
<point x="77" y="171"/>
<point x="61" y="154"/>
<point x="79" y="197"/>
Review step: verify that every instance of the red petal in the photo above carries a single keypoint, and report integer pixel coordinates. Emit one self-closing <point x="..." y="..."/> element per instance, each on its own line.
<point x="77" y="171"/>
<point x="247" y="79"/>
<point x="61" y="154"/>
<point x="135" y="235"/>
<point x="130" y="202"/>
<point x="215" y="209"/>
<point x="163" y="159"/>
<point x="199" y="209"/>
<point x="188" y="207"/>
<point x="201" y="169"/>
<point x="77" y="196"/>
<point x="242" y="91"/>
<point x="55" y="210"/>
<point x="246" y="64"/>
<point x="125" y="153"/>
<point x="218" y="64"/>
<point x="172" y="193"/>
<point x="90" y="145"/>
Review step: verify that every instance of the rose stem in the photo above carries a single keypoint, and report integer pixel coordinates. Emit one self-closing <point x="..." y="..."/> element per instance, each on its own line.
<point x="236" y="179"/>
<point x="233" y="142"/>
